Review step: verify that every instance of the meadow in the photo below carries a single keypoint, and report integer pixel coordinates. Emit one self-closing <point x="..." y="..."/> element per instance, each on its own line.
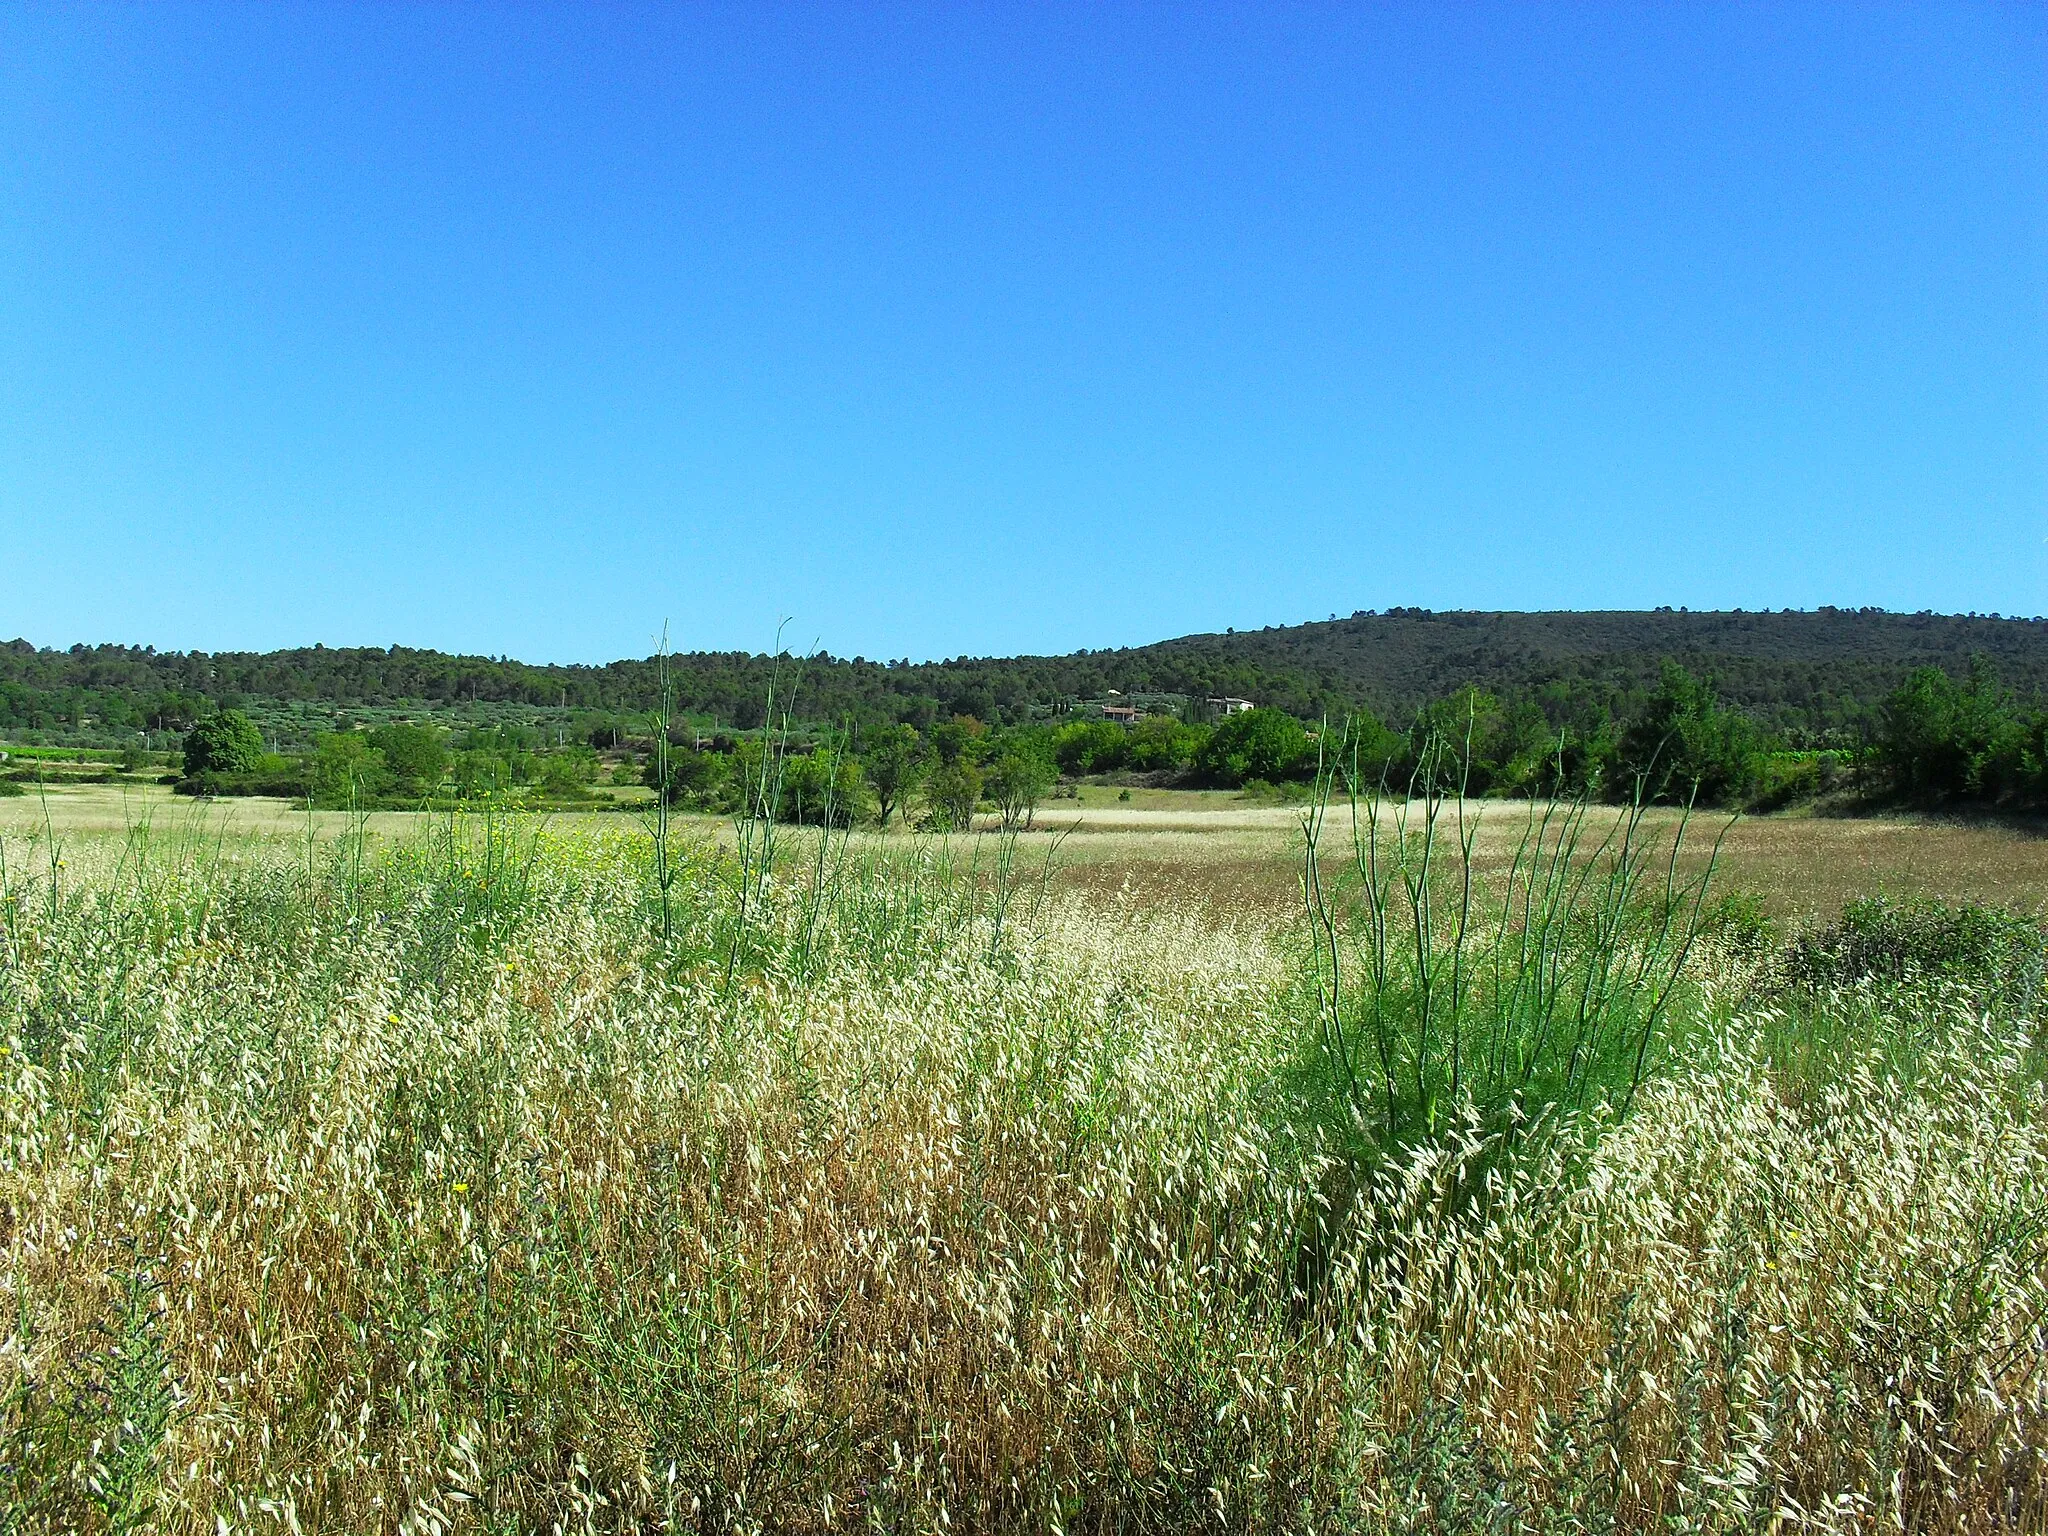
<point x="433" y="1174"/>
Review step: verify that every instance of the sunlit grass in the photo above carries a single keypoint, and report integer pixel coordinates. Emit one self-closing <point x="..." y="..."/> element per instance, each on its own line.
<point x="420" y="1188"/>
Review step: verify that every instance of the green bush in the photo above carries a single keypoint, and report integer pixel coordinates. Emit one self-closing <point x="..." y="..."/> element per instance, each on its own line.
<point x="1160" y="742"/>
<point x="822" y="788"/>
<point x="1685" y="744"/>
<point x="347" y="771"/>
<point x="1788" y="778"/>
<point x="568" y="774"/>
<point x="697" y="780"/>
<point x="281" y="778"/>
<point x="1885" y="939"/>
<point x="1939" y="739"/>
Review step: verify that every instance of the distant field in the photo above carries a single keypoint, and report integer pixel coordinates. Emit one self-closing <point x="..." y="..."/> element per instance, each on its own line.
<point x="1216" y="845"/>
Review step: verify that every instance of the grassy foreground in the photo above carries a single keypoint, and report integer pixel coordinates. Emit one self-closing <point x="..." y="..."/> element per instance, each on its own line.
<point x="430" y="1191"/>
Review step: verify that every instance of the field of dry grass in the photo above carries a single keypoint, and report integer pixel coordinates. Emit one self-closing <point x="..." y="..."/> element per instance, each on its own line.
<point x="424" y="1188"/>
<point x="1168" y="843"/>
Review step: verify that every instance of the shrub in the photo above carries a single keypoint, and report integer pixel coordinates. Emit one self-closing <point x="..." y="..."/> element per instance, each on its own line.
<point x="480" y="773"/>
<point x="347" y="770"/>
<point x="1940" y="739"/>
<point x="696" y="780"/>
<point x="1882" y="938"/>
<point x="1685" y="744"/>
<point x="822" y="788"/>
<point x="1787" y="778"/>
<point x="281" y="777"/>
<point x="1160" y="742"/>
<point x="568" y="775"/>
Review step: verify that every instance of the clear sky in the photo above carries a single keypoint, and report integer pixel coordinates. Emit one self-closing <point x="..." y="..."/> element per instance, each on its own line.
<point x="980" y="329"/>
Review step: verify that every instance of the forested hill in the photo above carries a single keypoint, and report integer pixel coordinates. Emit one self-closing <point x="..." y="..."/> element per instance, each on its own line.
<point x="1790" y="670"/>
<point x="1807" y="674"/>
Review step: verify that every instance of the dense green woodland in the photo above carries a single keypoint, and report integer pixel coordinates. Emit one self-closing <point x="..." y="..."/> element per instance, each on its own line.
<point x="1761" y="709"/>
<point x="1814" y="678"/>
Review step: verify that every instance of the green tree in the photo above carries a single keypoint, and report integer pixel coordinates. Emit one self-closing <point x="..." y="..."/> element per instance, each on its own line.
<point x="1255" y="744"/>
<point x="568" y="774"/>
<point x="1160" y="742"/>
<point x="415" y="755"/>
<point x="225" y="742"/>
<point x="822" y="788"/>
<point x="1016" y="781"/>
<point x="1371" y="751"/>
<point x="1091" y="746"/>
<point x="951" y="792"/>
<point x="1684" y="743"/>
<point x="1940" y="739"/>
<point x="696" y="779"/>
<point x="481" y="773"/>
<point x="347" y="770"/>
<point x="961" y="738"/>
<point x="1450" y="739"/>
<point x="894" y="761"/>
<point x="1485" y="745"/>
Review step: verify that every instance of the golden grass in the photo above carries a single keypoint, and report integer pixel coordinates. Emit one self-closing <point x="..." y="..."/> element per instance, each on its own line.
<point x="1216" y="846"/>
<point x="428" y="1197"/>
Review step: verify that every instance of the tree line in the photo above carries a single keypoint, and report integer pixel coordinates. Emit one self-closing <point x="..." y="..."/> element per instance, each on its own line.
<point x="1815" y="679"/>
<point x="1934" y="740"/>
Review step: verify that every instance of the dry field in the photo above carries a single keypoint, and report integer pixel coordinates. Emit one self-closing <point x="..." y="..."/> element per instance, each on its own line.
<point x="1174" y="844"/>
<point x="427" y="1189"/>
<point x="430" y="1183"/>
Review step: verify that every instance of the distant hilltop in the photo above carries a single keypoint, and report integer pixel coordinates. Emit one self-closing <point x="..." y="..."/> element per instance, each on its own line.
<point x="1807" y="674"/>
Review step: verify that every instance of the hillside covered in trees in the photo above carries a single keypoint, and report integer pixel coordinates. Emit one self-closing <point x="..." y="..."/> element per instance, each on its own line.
<point x="1813" y="678"/>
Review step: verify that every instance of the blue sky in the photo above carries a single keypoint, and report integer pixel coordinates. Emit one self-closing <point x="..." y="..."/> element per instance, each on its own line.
<point x="977" y="329"/>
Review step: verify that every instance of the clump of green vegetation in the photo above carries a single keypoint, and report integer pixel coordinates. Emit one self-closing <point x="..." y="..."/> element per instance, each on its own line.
<point x="1889" y="940"/>
<point x="1675" y="739"/>
<point x="223" y="743"/>
<point x="1439" y="997"/>
<point x="1944" y="740"/>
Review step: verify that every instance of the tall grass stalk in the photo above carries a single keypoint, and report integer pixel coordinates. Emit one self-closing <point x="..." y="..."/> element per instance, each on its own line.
<point x="664" y="866"/>
<point x="755" y="821"/>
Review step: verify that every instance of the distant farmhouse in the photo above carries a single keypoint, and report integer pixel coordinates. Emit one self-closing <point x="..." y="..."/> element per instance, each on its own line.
<point x="1129" y="708"/>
